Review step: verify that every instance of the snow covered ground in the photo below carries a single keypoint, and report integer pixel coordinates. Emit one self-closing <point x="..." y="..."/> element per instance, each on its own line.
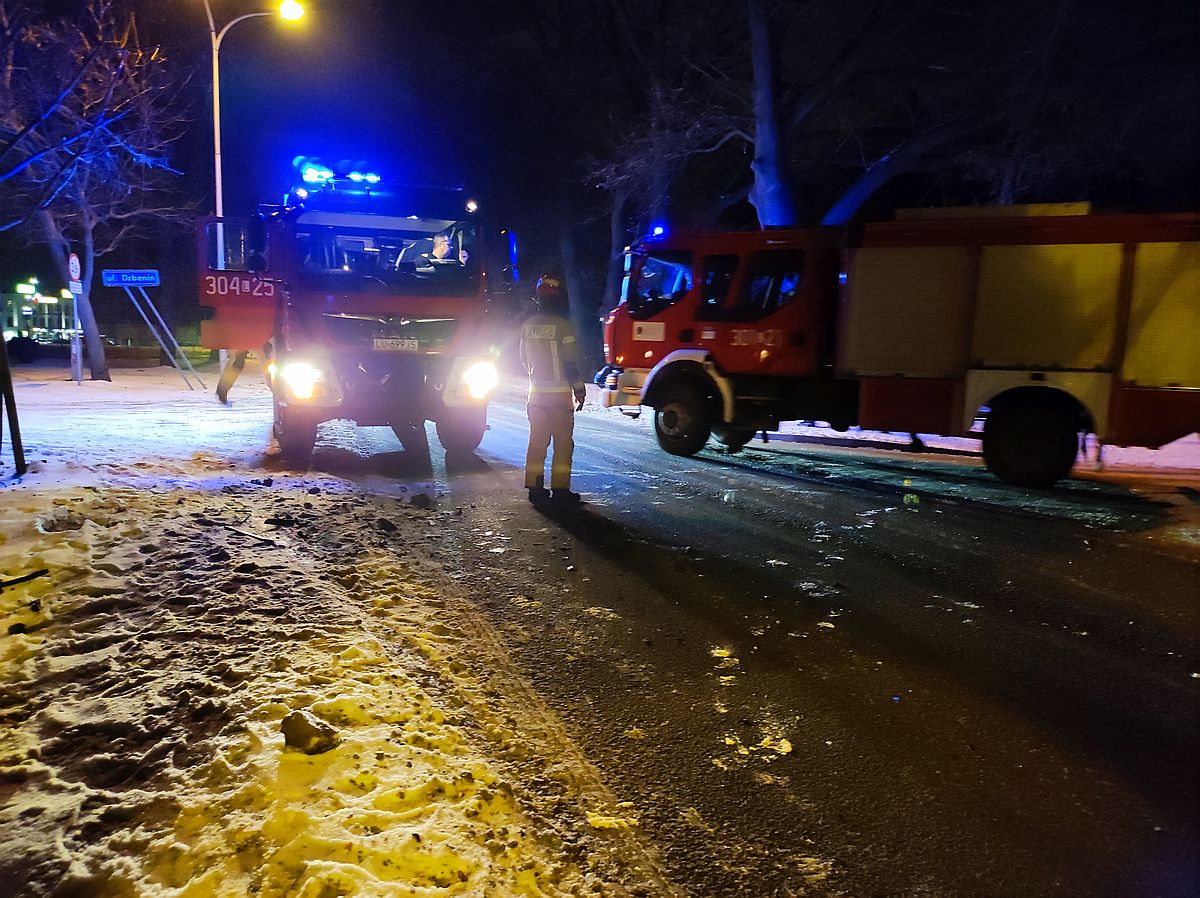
<point x="204" y="616"/>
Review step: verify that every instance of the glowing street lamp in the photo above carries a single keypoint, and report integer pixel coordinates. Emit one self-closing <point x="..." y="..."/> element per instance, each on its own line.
<point x="289" y="10"/>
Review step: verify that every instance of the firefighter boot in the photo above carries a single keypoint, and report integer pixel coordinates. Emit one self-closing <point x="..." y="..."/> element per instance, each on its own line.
<point x="566" y="497"/>
<point x="538" y="492"/>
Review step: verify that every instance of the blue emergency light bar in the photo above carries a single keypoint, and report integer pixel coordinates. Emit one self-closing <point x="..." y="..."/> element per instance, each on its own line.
<point x="314" y="171"/>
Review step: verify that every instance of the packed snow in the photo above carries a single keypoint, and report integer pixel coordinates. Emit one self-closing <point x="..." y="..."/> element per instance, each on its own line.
<point x="226" y="678"/>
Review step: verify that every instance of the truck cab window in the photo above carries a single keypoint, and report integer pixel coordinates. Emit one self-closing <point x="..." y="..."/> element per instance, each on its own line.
<point x="436" y="261"/>
<point x="772" y="280"/>
<point x="714" y="289"/>
<point x="227" y="246"/>
<point x="656" y="282"/>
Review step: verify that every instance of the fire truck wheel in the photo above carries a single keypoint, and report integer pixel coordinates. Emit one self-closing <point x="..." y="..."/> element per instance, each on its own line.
<point x="462" y="431"/>
<point x="733" y="438"/>
<point x="1031" y="442"/>
<point x="683" y="421"/>
<point x="295" y="433"/>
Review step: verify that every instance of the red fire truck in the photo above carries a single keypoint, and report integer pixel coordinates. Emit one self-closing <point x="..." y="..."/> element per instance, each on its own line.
<point x="369" y="302"/>
<point x="1045" y="321"/>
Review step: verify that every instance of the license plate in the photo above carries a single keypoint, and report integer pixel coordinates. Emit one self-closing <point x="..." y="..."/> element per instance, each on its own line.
<point x="396" y="344"/>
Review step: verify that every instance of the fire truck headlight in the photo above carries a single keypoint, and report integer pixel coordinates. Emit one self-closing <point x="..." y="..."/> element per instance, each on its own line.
<point x="301" y="379"/>
<point x="480" y="379"/>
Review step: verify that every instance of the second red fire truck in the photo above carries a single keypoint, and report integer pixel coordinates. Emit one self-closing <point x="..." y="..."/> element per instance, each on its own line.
<point x="1046" y="321"/>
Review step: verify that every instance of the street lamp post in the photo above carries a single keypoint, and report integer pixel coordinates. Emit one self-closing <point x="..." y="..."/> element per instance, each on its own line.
<point x="290" y="10"/>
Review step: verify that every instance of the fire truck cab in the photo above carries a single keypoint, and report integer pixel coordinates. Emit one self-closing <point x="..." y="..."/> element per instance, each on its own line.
<point x="727" y="334"/>
<point x="369" y="302"/>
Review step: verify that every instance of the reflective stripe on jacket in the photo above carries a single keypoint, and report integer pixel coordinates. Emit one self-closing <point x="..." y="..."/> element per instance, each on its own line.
<point x="551" y="356"/>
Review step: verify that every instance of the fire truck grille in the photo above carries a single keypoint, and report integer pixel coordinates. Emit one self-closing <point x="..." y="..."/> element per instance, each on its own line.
<point x="369" y="332"/>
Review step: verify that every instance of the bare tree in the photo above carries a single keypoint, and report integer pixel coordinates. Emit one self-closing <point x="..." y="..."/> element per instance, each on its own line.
<point x="89" y="116"/>
<point x="772" y="194"/>
<point x="809" y="108"/>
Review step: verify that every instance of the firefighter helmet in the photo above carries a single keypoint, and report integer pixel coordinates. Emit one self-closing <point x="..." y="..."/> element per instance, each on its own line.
<point x="548" y="288"/>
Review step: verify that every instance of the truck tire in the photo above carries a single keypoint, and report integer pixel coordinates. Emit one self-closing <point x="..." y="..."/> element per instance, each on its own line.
<point x="682" y="421"/>
<point x="296" y="434"/>
<point x="1031" y="442"/>
<point x="732" y="438"/>
<point x="461" y="430"/>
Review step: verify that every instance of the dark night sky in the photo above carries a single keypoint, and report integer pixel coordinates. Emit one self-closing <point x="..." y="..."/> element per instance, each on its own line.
<point x="382" y="83"/>
<point x="347" y="83"/>
<point x="422" y="93"/>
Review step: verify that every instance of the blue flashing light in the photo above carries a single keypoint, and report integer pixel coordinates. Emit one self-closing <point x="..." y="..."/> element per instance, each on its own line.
<point x="313" y="174"/>
<point x="301" y="193"/>
<point x="842" y="278"/>
<point x="513" y="254"/>
<point x="314" y="171"/>
<point x="658" y="230"/>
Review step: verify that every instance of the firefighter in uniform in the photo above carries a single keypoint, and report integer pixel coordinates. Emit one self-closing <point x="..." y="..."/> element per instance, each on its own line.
<point x="551" y="356"/>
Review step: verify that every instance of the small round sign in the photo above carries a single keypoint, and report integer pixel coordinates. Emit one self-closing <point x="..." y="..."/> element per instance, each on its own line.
<point x="73" y="266"/>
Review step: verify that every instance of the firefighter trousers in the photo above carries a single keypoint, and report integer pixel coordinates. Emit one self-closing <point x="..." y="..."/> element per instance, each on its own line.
<point x="550" y="423"/>
<point x="229" y="374"/>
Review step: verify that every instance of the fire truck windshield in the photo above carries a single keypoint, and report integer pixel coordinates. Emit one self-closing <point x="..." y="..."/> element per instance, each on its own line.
<point x="656" y="281"/>
<point x="420" y="256"/>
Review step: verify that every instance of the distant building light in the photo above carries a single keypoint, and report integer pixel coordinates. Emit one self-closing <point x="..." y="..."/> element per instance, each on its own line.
<point x="50" y="300"/>
<point x="472" y="206"/>
<point x="27" y="289"/>
<point x="65" y="293"/>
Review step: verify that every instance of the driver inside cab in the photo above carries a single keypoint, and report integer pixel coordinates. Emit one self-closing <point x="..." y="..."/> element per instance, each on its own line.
<point x="431" y="251"/>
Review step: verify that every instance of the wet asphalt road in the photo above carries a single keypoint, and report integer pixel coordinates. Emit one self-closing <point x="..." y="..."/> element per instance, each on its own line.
<point x="806" y="683"/>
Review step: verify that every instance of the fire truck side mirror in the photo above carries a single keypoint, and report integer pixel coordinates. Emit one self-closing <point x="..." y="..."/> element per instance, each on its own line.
<point x="504" y="264"/>
<point x="256" y="244"/>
